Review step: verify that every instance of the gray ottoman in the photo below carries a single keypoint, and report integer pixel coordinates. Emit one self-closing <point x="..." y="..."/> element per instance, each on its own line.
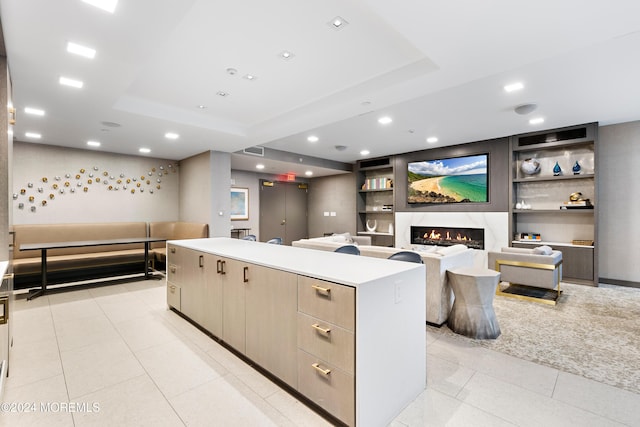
<point x="472" y="314"/>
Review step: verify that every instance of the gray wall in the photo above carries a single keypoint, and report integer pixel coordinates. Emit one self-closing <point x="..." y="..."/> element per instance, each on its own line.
<point x="332" y="194"/>
<point x="34" y="162"/>
<point x="619" y="203"/>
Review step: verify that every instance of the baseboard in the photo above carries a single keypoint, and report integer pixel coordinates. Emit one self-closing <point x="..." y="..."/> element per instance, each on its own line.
<point x="619" y="282"/>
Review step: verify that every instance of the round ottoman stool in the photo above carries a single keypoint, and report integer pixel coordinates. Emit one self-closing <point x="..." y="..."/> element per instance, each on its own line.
<point x="472" y="313"/>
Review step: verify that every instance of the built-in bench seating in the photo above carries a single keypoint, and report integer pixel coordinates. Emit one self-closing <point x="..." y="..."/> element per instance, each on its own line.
<point x="82" y="263"/>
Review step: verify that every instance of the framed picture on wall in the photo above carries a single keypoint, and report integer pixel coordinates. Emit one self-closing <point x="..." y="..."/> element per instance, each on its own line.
<point x="239" y="204"/>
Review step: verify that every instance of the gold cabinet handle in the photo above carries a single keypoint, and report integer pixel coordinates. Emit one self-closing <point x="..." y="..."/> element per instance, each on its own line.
<point x="172" y="268"/>
<point x="173" y="250"/>
<point x="321" y="290"/>
<point x="317" y="367"/>
<point x="201" y="261"/>
<point x="172" y="288"/>
<point x="222" y="265"/>
<point x="4" y="310"/>
<point x="246" y="275"/>
<point x="320" y="329"/>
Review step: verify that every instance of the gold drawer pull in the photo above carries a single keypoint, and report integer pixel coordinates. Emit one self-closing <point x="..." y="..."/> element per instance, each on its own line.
<point x="173" y="250"/>
<point x="320" y="329"/>
<point x="172" y="288"/>
<point x="172" y="269"/>
<point x="317" y="367"/>
<point x="321" y="290"/>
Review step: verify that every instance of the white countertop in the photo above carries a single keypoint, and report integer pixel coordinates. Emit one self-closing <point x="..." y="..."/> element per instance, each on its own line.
<point x="351" y="270"/>
<point x="4" y="265"/>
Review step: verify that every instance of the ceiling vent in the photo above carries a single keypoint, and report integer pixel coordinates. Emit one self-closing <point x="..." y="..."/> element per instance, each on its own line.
<point x="254" y="151"/>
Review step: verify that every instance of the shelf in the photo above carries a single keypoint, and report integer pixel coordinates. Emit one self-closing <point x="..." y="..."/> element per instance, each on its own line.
<point x="554" y="211"/>
<point x="374" y="233"/>
<point x="376" y="190"/>
<point x="554" y="178"/>
<point x="546" y="146"/>
<point x="375" y="212"/>
<point x="543" y="242"/>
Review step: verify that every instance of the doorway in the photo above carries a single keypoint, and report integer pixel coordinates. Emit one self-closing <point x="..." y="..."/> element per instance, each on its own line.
<point x="283" y="211"/>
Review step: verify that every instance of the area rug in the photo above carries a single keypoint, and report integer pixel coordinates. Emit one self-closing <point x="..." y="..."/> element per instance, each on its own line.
<point x="592" y="332"/>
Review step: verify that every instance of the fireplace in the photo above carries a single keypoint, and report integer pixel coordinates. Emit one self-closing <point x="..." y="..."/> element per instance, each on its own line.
<point x="447" y="236"/>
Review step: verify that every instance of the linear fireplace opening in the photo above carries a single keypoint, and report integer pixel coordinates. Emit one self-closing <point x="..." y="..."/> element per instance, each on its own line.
<point x="447" y="236"/>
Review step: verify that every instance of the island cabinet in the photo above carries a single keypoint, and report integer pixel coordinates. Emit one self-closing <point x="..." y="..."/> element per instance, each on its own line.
<point x="346" y="333"/>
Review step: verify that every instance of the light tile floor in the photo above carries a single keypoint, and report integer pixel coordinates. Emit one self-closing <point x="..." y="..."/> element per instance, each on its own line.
<point x="123" y="359"/>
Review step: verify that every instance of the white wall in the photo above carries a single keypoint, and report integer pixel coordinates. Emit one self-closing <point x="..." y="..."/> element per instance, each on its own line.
<point x="619" y="204"/>
<point x="33" y="162"/>
<point x="495" y="224"/>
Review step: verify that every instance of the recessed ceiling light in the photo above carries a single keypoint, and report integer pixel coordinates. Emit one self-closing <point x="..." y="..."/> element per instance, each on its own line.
<point x="34" y="111"/>
<point x="77" y="49"/>
<point x="222" y="93"/>
<point x="108" y="5"/>
<point x="249" y="77"/>
<point x="308" y="173"/>
<point x="432" y="139"/>
<point x="338" y="23"/>
<point x="536" y="121"/>
<point x="93" y="143"/>
<point x="71" y="82"/>
<point x="259" y="166"/>
<point x="144" y="150"/>
<point x="286" y="55"/>
<point x="33" y="135"/>
<point x="364" y="152"/>
<point x="171" y="135"/>
<point x="513" y="87"/>
<point x="313" y="138"/>
<point x="385" y="120"/>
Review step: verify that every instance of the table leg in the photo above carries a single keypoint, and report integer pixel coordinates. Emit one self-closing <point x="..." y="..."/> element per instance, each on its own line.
<point x="43" y="273"/>
<point x="146" y="260"/>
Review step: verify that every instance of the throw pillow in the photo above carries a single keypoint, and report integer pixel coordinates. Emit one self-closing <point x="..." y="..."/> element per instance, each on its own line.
<point x="342" y="237"/>
<point x="449" y="250"/>
<point x="542" y="250"/>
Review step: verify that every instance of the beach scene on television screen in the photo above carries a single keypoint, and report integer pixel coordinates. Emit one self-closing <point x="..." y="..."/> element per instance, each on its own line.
<point x="455" y="180"/>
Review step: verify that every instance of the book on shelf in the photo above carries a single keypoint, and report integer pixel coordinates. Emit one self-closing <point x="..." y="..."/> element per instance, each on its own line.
<point x="578" y="204"/>
<point x="533" y="237"/>
<point x="377" y="184"/>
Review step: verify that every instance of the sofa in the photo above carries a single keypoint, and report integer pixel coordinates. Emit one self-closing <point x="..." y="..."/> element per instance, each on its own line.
<point x="91" y="262"/>
<point x="173" y="230"/>
<point x="528" y="270"/>
<point x="437" y="260"/>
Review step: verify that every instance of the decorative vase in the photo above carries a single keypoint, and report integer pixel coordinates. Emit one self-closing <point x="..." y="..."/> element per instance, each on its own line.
<point x="576" y="168"/>
<point x="530" y="166"/>
<point x="371" y="225"/>
<point x="557" y="170"/>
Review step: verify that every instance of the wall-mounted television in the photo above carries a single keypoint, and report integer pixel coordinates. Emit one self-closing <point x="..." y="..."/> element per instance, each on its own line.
<point x="449" y="180"/>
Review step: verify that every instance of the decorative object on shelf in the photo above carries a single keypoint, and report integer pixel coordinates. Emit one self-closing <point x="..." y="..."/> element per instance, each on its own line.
<point x="576" y="168"/>
<point x="577" y="202"/>
<point x="530" y="166"/>
<point x="371" y="225"/>
<point x="387" y="208"/>
<point x="557" y="170"/>
<point x="582" y="242"/>
<point x="523" y="205"/>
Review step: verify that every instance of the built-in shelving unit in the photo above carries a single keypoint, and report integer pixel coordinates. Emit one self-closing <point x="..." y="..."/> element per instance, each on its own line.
<point x="546" y="195"/>
<point x="375" y="198"/>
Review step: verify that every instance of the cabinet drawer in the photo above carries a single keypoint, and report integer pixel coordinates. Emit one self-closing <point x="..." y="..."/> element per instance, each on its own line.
<point x="173" y="295"/>
<point x="328" y="301"/>
<point x="327" y="341"/>
<point x="328" y="387"/>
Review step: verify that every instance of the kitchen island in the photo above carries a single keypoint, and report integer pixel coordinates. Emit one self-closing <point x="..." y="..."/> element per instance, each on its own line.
<point x="346" y="332"/>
